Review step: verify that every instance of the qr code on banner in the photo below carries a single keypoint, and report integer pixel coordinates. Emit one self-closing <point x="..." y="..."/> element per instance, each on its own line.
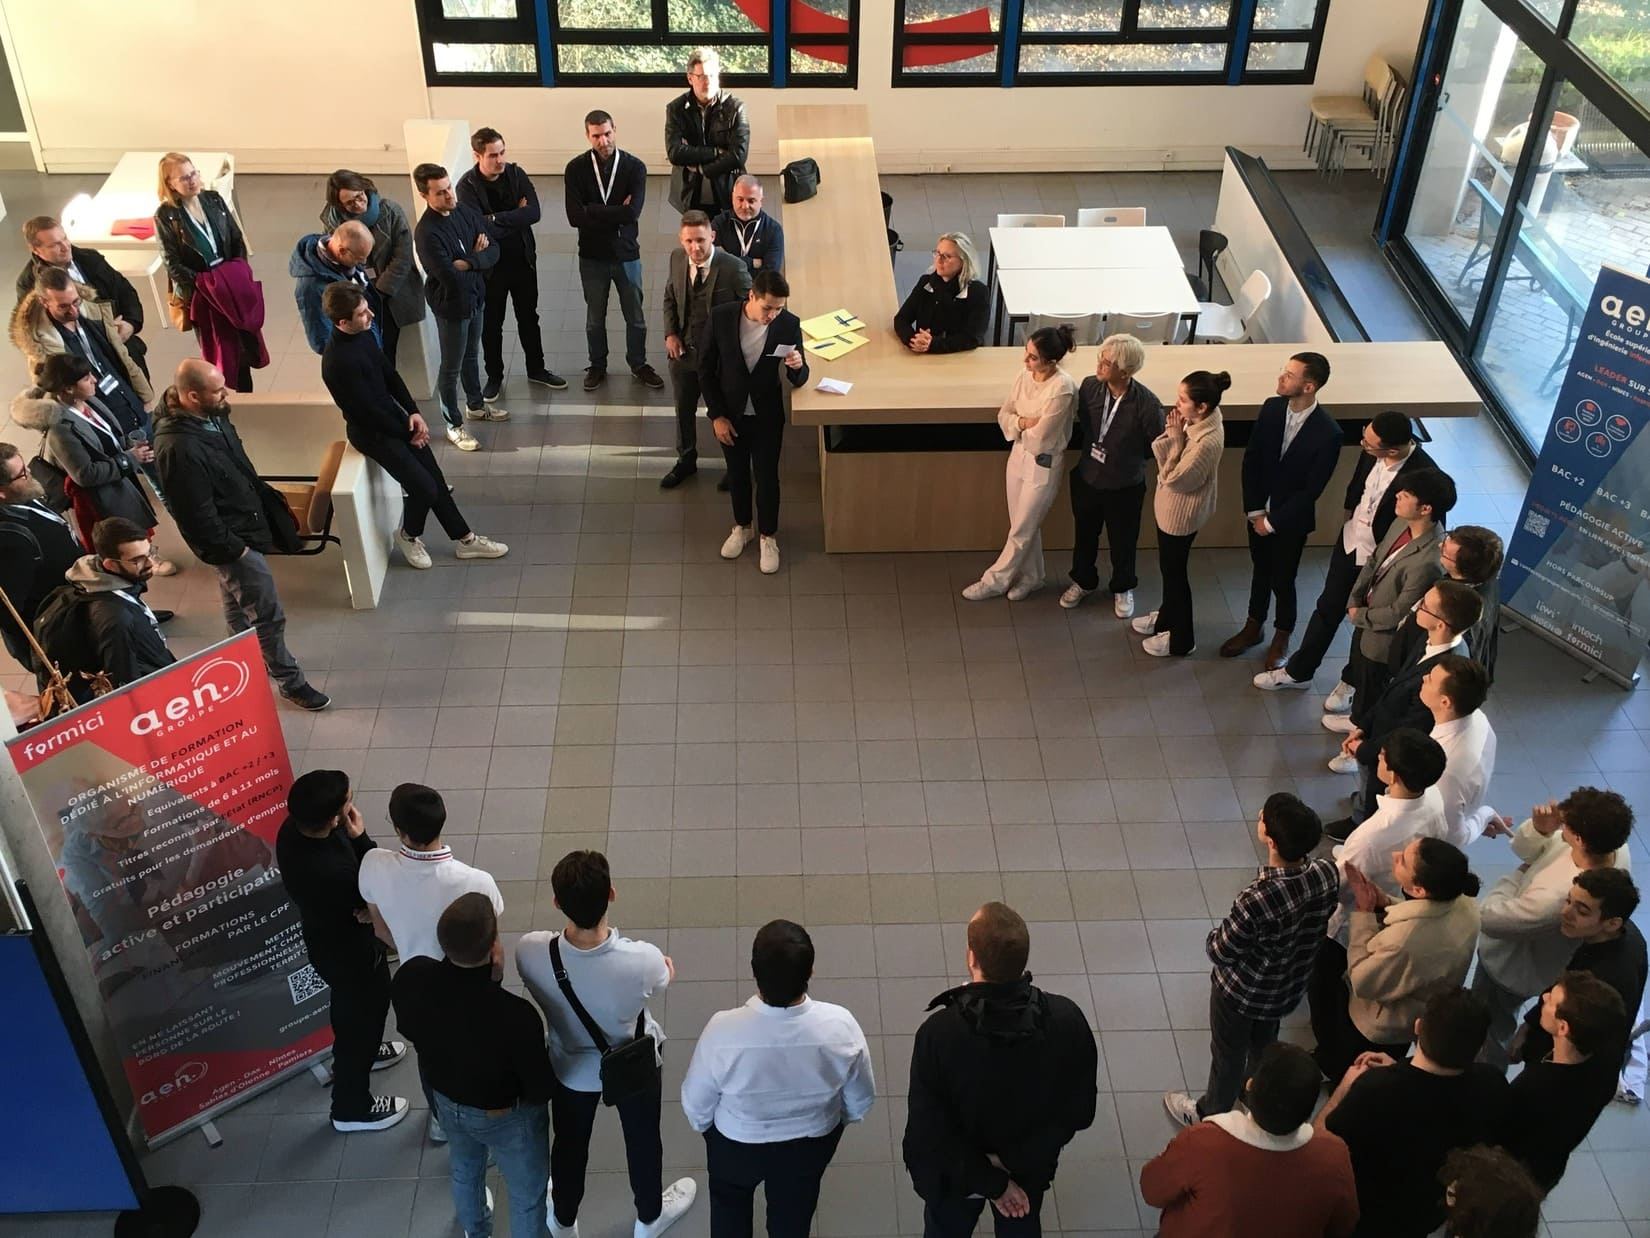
<point x="1536" y="523"/>
<point x="305" y="984"/>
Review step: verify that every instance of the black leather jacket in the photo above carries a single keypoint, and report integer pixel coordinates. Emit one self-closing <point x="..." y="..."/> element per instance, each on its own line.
<point x="716" y="141"/>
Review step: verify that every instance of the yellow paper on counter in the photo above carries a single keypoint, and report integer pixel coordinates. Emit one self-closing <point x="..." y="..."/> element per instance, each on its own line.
<point x="837" y="345"/>
<point x="836" y="322"/>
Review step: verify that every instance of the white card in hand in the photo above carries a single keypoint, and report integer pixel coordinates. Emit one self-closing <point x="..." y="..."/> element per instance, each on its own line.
<point x="834" y="386"/>
<point x="782" y="350"/>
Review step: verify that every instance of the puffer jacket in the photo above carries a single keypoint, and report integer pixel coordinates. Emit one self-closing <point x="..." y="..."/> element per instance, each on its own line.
<point x="210" y="483"/>
<point x="36" y="336"/>
<point x="391" y="261"/>
<point x="718" y="141"/>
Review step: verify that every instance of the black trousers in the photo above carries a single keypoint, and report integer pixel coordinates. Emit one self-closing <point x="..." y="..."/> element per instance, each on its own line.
<point x="1115" y="513"/>
<point x="1174" y="613"/>
<point x="572" y="1115"/>
<point x="1235" y="1042"/>
<point x="1327" y="615"/>
<point x="756" y="449"/>
<point x="684" y="382"/>
<point x="359" y="977"/>
<point x="1339" y="1042"/>
<point x="513" y="279"/>
<point x="1275" y="560"/>
<point x="420" y="476"/>
<point x="1366" y="674"/>
<point x="791" y="1170"/>
<point x="954" y="1217"/>
<point x="389" y="331"/>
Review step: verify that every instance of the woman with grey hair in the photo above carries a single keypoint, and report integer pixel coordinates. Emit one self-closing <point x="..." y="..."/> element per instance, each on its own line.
<point x="947" y="310"/>
<point x="1120" y="418"/>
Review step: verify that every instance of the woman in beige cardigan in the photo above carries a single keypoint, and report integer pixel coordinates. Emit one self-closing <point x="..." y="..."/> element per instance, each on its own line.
<point x="1400" y="954"/>
<point x="1188" y="461"/>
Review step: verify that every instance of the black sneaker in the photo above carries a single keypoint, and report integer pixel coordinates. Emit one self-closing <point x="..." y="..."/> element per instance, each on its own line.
<point x="594" y="376"/>
<point x="386" y="1111"/>
<point x="679" y="472"/>
<point x="490" y="391"/>
<point x="389" y="1053"/>
<point x="725" y="484"/>
<point x="163" y="616"/>
<point x="308" y="698"/>
<point x="648" y="376"/>
<point x="547" y="378"/>
<point x="1339" y="829"/>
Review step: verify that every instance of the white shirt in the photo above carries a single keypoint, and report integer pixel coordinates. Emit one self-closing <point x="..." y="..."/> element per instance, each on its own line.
<point x="1520" y="943"/>
<point x="1292" y="423"/>
<point x="613" y="982"/>
<point x="1469" y="752"/>
<point x="752" y="335"/>
<point x="412" y="888"/>
<point x="1358" y="533"/>
<point x="1389" y="828"/>
<point x="762" y="1073"/>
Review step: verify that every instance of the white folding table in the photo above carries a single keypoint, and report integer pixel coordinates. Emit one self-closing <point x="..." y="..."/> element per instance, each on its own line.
<point x="1132" y="290"/>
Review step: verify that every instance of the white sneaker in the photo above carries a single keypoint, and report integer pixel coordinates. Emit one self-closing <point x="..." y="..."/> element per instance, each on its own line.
<point x="1343" y="764"/>
<point x="1073" y="597"/>
<point x="1122" y="604"/>
<point x="737" y="541"/>
<point x="769" y="561"/>
<point x="1340" y="700"/>
<point x="1024" y="589"/>
<point x="487" y="412"/>
<point x="979" y="591"/>
<point x="1158" y="646"/>
<point x="559" y="1230"/>
<point x="1146" y="624"/>
<point x="1339" y="723"/>
<point x="1181" y="1108"/>
<point x="413" y="550"/>
<point x="1272" y="681"/>
<point x="677" y="1199"/>
<point x="489" y="1192"/>
<point x="462" y="439"/>
<point x="479" y="547"/>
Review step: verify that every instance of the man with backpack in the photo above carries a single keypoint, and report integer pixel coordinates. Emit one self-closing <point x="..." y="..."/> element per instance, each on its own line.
<point x="37" y="545"/>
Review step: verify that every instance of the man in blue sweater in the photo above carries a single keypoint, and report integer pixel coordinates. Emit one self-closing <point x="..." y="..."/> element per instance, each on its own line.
<point x="455" y="248"/>
<point x="505" y="196"/>
<point x="606" y="188"/>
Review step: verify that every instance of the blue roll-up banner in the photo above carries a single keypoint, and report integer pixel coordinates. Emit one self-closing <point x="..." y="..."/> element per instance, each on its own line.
<point x="1577" y="570"/>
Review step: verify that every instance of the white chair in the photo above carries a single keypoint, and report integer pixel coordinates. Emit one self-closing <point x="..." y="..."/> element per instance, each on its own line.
<point x="1147" y="328"/>
<point x="1230" y="324"/>
<point x="1111" y="217"/>
<point x="1031" y="221"/>
<point x="1086" y="328"/>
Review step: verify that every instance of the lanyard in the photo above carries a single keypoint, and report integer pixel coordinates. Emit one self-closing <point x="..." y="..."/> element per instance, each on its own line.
<point x="613" y="177"/>
<point x="204" y="229"/>
<point x="91" y="418"/>
<point x="745" y="242"/>
<point x="136" y="601"/>
<point x="1108" y="415"/>
<point x="40" y="509"/>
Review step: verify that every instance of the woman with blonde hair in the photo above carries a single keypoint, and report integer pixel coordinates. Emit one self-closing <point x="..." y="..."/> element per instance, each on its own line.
<point x="1188" y="465"/>
<point x="948" y="308"/>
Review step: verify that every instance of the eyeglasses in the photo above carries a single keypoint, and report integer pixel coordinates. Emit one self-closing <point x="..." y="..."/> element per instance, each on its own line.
<point x="17" y="476"/>
<point x="137" y="560"/>
<point x="941" y="256"/>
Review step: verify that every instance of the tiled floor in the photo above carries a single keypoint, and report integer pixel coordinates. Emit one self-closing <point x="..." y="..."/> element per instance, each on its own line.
<point x="846" y="743"/>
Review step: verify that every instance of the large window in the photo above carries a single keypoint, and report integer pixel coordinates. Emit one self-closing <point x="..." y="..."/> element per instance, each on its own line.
<point x="1076" y="42"/>
<point x="637" y="42"/>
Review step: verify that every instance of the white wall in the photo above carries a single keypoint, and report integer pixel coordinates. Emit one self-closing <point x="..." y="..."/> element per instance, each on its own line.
<point x="262" y="96"/>
<point x="1287" y="313"/>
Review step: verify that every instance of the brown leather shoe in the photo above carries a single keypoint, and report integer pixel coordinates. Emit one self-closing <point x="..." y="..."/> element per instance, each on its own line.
<point x="1277" y="653"/>
<point x="1246" y="639"/>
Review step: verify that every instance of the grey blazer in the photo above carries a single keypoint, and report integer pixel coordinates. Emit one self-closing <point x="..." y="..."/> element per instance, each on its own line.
<point x="109" y="475"/>
<point x="1394" y="594"/>
<point x="728" y="278"/>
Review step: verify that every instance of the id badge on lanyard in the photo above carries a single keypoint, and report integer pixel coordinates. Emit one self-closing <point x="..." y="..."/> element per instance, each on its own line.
<point x="1097" y="450"/>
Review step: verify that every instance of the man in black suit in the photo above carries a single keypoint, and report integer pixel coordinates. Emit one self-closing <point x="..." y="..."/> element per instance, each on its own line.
<point x="1290" y="457"/>
<point x="744" y="350"/>
<point x="36" y="547"/>
<point x="701" y="278"/>
<point x="1390" y="451"/>
<point x="49" y="247"/>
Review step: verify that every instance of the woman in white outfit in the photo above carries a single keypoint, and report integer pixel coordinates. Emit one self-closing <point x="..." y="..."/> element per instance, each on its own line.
<point x="1036" y="418"/>
<point x="1188" y="463"/>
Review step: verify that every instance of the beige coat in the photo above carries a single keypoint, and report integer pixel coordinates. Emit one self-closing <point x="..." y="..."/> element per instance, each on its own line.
<point x="1187" y="472"/>
<point x="1424" y="948"/>
<point x="36" y="337"/>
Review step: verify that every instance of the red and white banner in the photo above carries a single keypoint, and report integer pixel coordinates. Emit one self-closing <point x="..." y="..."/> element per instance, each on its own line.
<point x="160" y="803"/>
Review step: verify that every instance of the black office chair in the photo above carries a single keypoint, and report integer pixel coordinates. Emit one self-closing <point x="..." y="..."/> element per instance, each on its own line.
<point x="1210" y="246"/>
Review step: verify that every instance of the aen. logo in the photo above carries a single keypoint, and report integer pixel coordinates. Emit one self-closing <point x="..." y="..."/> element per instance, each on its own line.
<point x="188" y="1073"/>
<point x="216" y="683"/>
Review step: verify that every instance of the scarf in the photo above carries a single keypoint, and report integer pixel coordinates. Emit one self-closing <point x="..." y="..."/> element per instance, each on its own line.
<point x="370" y="215"/>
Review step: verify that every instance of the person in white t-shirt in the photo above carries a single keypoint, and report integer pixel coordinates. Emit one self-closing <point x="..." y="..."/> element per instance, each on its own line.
<point x="612" y="976"/>
<point x="407" y="889"/>
<point x="1454" y="691"/>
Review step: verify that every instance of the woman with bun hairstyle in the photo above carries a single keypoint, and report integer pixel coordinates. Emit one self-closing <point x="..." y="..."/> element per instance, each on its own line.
<point x="1036" y="419"/>
<point x="1188" y="463"/>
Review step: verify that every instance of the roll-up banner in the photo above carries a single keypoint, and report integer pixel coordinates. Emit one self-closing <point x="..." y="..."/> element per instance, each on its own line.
<point x="1577" y="570"/>
<point x="160" y="803"/>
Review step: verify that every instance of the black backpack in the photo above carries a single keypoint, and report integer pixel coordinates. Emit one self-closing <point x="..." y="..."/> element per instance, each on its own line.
<point x="801" y="180"/>
<point x="61" y="627"/>
<point x="51" y="479"/>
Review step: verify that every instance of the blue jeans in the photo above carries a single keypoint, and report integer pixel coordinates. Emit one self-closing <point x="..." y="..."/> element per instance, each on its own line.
<point x="250" y="601"/>
<point x="596" y="274"/>
<point x="519" y="1139"/>
<point x="460" y="360"/>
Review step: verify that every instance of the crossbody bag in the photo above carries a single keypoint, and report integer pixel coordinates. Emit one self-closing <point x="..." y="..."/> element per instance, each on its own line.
<point x="628" y="1069"/>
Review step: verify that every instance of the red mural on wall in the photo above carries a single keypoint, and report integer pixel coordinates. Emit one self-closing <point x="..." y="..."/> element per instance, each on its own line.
<point x="806" y="20"/>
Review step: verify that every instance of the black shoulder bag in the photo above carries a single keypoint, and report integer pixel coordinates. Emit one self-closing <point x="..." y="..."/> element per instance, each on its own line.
<point x="800" y="179"/>
<point x="629" y="1069"/>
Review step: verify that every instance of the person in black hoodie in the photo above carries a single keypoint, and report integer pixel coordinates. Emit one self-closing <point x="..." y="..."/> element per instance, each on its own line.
<point x="215" y="499"/>
<point x="506" y="199"/>
<point x="948" y="309"/>
<point x="1003" y="1075"/>
<point x="382" y="422"/>
<point x="36" y="547"/>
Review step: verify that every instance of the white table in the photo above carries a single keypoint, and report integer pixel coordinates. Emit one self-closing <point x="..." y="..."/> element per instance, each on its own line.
<point x="1126" y="290"/>
<point x="1072" y="248"/>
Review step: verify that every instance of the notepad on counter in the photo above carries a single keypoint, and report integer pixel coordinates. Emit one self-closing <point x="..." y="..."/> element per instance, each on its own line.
<point x="834" y="386"/>
<point x="823" y="326"/>
<point x="834" y="346"/>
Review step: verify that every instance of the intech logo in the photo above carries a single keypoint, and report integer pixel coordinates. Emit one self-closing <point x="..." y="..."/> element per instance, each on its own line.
<point x="187" y="1074"/>
<point x="216" y="683"/>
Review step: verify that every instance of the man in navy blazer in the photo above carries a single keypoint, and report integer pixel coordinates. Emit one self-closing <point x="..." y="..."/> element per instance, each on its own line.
<point x="1287" y="465"/>
<point x="746" y="349"/>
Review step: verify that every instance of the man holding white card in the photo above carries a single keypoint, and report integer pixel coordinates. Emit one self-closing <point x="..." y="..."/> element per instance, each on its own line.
<point x="745" y="352"/>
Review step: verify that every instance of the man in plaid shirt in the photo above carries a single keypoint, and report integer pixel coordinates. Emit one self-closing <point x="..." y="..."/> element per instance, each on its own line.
<point x="1263" y="953"/>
